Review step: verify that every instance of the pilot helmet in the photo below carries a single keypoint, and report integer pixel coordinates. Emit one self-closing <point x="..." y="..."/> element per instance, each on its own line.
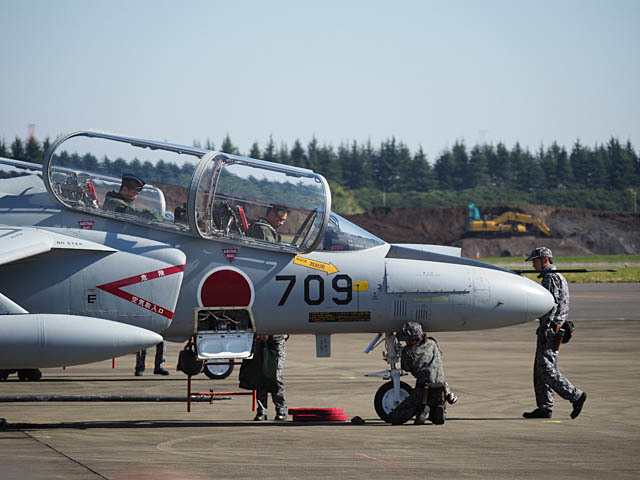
<point x="411" y="331"/>
<point x="540" y="252"/>
<point x="132" y="181"/>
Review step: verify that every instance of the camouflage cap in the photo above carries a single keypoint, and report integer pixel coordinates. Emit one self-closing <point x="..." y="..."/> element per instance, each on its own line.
<point x="411" y="331"/>
<point x="540" y="252"/>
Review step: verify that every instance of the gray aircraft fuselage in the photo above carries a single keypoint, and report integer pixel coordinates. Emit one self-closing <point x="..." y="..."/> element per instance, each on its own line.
<point x="371" y="290"/>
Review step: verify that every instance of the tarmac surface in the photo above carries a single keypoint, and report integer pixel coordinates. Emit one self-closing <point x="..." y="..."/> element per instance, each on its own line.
<point x="484" y="436"/>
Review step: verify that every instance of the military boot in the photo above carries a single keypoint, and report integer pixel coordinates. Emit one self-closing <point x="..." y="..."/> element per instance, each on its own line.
<point x="577" y="405"/>
<point x="538" y="413"/>
<point x="421" y="416"/>
<point x="260" y="415"/>
<point x="281" y="416"/>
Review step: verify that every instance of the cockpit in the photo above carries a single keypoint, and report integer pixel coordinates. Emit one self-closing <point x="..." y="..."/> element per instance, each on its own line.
<point x="341" y="235"/>
<point x="196" y="191"/>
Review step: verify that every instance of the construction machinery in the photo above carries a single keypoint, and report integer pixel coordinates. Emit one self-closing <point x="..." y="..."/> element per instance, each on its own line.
<point x="507" y="223"/>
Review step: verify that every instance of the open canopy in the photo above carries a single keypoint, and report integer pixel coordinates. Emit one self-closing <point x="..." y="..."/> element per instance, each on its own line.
<point x="215" y="196"/>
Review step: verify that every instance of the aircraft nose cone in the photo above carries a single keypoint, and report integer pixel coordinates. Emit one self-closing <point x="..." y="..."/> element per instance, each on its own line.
<point x="130" y="337"/>
<point x="539" y="301"/>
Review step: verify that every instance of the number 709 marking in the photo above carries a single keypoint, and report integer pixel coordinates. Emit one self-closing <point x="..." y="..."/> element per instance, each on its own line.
<point x="340" y="283"/>
<point x="292" y="281"/>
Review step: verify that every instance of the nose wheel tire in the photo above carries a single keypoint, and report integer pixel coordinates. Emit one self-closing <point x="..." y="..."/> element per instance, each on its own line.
<point x="218" y="372"/>
<point x="384" y="401"/>
<point x="29" y="374"/>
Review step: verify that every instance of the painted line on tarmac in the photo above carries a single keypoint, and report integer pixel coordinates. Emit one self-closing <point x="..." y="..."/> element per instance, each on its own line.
<point x="601" y="296"/>
<point x="378" y="459"/>
<point x="59" y="452"/>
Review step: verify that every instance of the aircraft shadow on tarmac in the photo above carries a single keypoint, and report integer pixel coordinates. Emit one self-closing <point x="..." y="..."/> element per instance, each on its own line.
<point x="200" y="424"/>
<point x="93" y="379"/>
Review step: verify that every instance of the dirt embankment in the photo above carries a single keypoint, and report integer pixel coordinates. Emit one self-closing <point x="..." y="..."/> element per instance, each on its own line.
<point x="574" y="231"/>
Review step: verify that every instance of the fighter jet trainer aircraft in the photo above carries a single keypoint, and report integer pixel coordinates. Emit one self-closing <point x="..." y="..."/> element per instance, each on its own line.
<point x="248" y="247"/>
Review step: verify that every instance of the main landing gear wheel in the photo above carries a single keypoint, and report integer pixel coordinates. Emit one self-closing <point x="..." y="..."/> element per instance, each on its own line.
<point x="384" y="401"/>
<point x="218" y="372"/>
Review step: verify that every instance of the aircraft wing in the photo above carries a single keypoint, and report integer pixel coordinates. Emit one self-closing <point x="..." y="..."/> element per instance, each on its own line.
<point x="17" y="243"/>
<point x="36" y="340"/>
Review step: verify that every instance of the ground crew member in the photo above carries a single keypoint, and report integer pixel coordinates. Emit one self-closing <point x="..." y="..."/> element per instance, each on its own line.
<point x="121" y="201"/>
<point x="264" y="228"/>
<point x="160" y="358"/>
<point x="421" y="357"/>
<point x="276" y="344"/>
<point x="546" y="376"/>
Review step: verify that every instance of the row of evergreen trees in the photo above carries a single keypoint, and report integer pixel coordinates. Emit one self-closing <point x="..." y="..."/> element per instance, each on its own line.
<point x="603" y="176"/>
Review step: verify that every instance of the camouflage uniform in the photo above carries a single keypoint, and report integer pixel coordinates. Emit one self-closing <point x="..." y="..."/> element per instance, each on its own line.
<point x="424" y="361"/>
<point x="114" y="202"/>
<point x="546" y="376"/>
<point x="263" y="230"/>
<point x="275" y="343"/>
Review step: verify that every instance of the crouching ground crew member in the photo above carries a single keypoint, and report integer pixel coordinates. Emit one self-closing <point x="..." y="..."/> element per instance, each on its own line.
<point x="546" y="376"/>
<point x="422" y="357"/>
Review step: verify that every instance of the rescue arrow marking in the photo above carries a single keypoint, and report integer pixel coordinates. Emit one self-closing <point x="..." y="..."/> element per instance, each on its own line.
<point x="114" y="289"/>
<point x="327" y="268"/>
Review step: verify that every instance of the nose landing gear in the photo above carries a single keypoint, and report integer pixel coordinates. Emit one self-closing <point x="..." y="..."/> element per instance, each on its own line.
<point x="392" y="393"/>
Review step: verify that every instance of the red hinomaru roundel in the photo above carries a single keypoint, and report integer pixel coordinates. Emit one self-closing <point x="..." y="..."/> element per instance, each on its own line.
<point x="225" y="287"/>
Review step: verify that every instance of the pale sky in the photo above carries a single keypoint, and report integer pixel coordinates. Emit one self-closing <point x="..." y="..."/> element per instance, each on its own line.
<point x="428" y="73"/>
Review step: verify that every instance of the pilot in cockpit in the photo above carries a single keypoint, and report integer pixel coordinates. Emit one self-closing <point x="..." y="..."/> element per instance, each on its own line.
<point x="121" y="201"/>
<point x="264" y="228"/>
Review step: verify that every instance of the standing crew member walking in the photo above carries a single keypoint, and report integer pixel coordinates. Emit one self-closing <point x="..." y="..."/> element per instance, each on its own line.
<point x="546" y="376"/>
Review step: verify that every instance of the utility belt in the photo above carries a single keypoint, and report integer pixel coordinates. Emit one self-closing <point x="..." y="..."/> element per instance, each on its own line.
<point x="546" y="332"/>
<point x="434" y="393"/>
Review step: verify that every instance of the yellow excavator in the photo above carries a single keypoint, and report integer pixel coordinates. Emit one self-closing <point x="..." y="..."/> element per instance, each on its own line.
<point x="508" y="223"/>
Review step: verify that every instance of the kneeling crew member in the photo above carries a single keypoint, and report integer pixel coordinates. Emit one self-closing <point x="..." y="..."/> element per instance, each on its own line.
<point x="422" y="357"/>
